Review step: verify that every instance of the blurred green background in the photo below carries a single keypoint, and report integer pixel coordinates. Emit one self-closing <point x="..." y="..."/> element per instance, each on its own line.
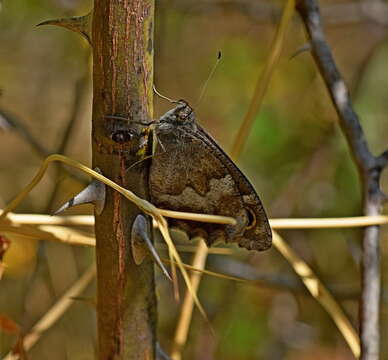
<point x="295" y="155"/>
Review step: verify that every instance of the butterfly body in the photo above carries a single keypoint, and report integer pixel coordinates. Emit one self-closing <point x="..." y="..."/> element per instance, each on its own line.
<point x="190" y="172"/>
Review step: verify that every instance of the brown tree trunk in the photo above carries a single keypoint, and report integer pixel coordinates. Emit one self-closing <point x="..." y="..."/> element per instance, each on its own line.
<point x="122" y="33"/>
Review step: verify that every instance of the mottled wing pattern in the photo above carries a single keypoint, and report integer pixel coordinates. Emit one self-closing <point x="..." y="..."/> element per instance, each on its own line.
<point x="257" y="233"/>
<point x="190" y="172"/>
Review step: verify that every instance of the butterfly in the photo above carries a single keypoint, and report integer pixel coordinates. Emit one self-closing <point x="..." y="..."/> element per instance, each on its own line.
<point x="190" y="172"/>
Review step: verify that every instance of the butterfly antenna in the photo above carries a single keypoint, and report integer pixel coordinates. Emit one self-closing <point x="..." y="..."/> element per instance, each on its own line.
<point x="204" y="87"/>
<point x="162" y="96"/>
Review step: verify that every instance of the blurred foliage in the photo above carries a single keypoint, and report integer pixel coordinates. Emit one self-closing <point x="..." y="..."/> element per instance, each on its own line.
<point x="296" y="157"/>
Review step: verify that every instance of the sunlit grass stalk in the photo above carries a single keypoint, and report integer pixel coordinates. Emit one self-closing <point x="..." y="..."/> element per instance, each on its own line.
<point x="143" y="205"/>
<point x="328" y="223"/>
<point x="40" y="219"/>
<point x="263" y="80"/>
<point x="61" y="233"/>
<point x="63" y="304"/>
<point x="48" y="232"/>
<point x="182" y="328"/>
<point x="253" y="110"/>
<point x="55" y="313"/>
<point x="312" y="283"/>
<point x="286" y="223"/>
<point x="320" y="293"/>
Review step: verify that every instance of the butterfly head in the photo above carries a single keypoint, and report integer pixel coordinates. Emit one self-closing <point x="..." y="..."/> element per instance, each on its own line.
<point x="182" y="114"/>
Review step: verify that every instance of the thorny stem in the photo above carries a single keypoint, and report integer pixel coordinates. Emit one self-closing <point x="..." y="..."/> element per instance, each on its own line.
<point x="122" y="36"/>
<point x="369" y="168"/>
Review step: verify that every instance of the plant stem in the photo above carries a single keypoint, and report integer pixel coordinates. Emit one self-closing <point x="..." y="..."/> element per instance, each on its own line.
<point x="122" y="37"/>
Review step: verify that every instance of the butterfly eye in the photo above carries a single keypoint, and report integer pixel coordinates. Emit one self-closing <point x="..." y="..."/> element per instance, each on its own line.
<point x="122" y="136"/>
<point x="251" y="218"/>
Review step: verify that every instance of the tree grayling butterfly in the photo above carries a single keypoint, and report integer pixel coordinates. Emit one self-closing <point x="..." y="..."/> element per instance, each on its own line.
<point x="190" y="172"/>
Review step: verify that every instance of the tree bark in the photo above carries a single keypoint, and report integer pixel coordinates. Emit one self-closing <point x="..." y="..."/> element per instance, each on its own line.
<point x="122" y="37"/>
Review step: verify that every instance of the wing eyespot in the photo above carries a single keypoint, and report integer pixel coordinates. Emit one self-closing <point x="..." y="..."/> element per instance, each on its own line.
<point x="251" y="218"/>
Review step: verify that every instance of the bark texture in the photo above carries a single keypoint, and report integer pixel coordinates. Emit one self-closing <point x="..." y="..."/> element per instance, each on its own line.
<point x="122" y="37"/>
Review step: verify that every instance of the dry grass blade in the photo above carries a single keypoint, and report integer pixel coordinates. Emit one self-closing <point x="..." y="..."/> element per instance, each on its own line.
<point x="320" y="293"/>
<point x="215" y="274"/>
<point x="38" y="219"/>
<point x="183" y="325"/>
<point x="312" y="283"/>
<point x="264" y="79"/>
<point x="193" y="248"/>
<point x="199" y="217"/>
<point x="55" y="313"/>
<point x="162" y="224"/>
<point x="329" y="223"/>
<point x="86" y="220"/>
<point x="246" y="125"/>
<point x="69" y="236"/>
<point x="50" y="233"/>
<point x="144" y="205"/>
<point x="327" y="301"/>
<point x="302" y="223"/>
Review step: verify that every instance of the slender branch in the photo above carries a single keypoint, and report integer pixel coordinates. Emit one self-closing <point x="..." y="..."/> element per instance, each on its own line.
<point x="369" y="168"/>
<point x="13" y="122"/>
<point x="80" y="88"/>
<point x="338" y="91"/>
<point x="382" y="160"/>
<point x="281" y="281"/>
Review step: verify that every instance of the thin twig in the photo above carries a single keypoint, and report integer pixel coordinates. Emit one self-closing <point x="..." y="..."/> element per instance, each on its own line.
<point x="369" y="168"/>
<point x="80" y="92"/>
<point x="229" y="266"/>
<point x="15" y="123"/>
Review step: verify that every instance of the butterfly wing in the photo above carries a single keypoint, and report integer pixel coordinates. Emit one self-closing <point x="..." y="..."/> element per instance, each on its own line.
<point x="257" y="233"/>
<point x="190" y="172"/>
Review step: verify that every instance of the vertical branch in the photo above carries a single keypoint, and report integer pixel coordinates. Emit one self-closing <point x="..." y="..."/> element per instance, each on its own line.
<point x="122" y="37"/>
<point x="369" y="168"/>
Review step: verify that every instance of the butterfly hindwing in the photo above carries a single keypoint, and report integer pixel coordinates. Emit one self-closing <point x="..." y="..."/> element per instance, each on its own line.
<point x="190" y="172"/>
